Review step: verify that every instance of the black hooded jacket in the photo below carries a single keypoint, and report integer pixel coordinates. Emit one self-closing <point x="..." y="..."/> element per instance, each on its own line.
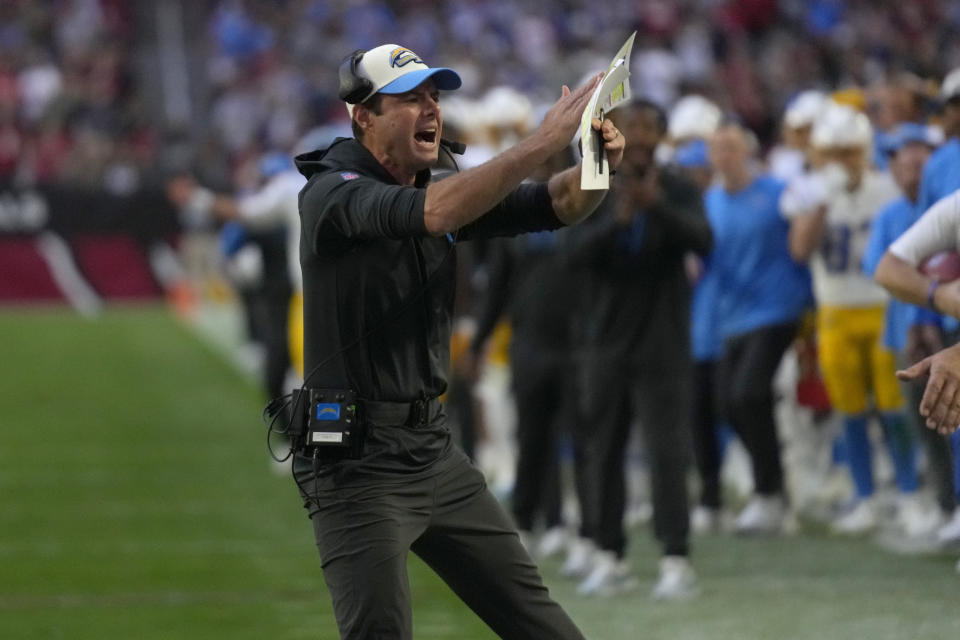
<point x="378" y="289"/>
<point x="639" y="299"/>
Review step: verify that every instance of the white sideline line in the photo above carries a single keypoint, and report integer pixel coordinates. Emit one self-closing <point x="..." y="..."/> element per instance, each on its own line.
<point x="78" y="292"/>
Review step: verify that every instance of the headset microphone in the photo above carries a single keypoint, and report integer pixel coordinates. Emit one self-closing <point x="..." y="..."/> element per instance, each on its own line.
<point x="453" y="146"/>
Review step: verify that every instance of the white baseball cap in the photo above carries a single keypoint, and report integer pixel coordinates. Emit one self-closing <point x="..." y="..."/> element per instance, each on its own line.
<point x="391" y="68"/>
<point x="505" y="106"/>
<point x="805" y="108"/>
<point x="693" y="116"/>
<point x="841" y="125"/>
<point x="951" y="85"/>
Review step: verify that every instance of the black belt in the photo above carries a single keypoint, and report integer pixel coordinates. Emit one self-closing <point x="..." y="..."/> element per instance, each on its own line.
<point x="418" y="413"/>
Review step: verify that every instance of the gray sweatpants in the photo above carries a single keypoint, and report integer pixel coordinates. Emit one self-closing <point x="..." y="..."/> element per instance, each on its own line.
<point x="449" y="519"/>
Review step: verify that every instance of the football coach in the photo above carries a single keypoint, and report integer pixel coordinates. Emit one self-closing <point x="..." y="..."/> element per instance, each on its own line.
<point x="378" y="251"/>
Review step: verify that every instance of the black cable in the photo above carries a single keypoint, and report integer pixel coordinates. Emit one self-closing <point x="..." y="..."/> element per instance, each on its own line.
<point x="287" y="401"/>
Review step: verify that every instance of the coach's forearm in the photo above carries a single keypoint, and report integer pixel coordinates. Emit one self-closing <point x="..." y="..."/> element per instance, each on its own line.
<point x="571" y="203"/>
<point x="464" y="197"/>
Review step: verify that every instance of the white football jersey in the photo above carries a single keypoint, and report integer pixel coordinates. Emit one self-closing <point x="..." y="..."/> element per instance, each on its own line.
<point x="937" y="230"/>
<point x="838" y="279"/>
<point x="277" y="203"/>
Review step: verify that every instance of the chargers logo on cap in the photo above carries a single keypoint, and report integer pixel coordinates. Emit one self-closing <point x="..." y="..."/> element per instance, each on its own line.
<point x="402" y="56"/>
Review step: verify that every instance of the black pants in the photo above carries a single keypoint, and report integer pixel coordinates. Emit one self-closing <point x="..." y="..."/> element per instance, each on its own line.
<point x="541" y="391"/>
<point x="745" y="390"/>
<point x="618" y="392"/>
<point x="939" y="454"/>
<point x="706" y="450"/>
<point x="937" y="447"/>
<point x="268" y="311"/>
<point x="366" y="520"/>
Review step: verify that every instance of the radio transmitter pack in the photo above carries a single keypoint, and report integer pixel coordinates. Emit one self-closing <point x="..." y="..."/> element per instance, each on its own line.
<point x="326" y="420"/>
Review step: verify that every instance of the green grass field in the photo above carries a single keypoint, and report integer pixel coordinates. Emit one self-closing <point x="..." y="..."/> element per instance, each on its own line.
<point x="138" y="503"/>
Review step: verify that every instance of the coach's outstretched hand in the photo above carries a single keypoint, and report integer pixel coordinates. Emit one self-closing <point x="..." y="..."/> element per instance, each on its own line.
<point x="561" y="121"/>
<point x="941" y="398"/>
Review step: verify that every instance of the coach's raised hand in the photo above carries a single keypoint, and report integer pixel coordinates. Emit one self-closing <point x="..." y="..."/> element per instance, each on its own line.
<point x="463" y="197"/>
<point x="561" y="121"/>
<point x="570" y="203"/>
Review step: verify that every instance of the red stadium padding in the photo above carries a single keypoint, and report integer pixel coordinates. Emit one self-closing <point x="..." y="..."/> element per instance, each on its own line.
<point x="24" y="274"/>
<point x="115" y="266"/>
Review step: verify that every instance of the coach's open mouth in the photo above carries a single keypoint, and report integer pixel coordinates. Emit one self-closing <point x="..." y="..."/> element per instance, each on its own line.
<point x="426" y="136"/>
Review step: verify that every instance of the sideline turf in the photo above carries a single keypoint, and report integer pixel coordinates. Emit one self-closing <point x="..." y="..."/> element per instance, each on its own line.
<point x="138" y="503"/>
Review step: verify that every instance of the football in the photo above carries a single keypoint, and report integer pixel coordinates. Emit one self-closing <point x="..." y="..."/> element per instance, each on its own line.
<point x="943" y="266"/>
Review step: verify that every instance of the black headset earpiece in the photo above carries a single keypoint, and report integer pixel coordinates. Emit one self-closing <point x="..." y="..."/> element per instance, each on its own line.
<point x="354" y="88"/>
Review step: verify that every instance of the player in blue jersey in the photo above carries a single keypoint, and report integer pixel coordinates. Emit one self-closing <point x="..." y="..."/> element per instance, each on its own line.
<point x="941" y="175"/>
<point x="938" y="229"/>
<point x="763" y="294"/>
<point x="908" y="146"/>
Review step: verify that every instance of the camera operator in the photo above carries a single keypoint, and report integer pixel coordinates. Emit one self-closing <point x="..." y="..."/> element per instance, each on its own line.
<point x="378" y="258"/>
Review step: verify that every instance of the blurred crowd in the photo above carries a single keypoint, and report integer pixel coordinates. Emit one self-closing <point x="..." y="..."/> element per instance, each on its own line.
<point x="72" y="108"/>
<point x="272" y="66"/>
<point x="69" y="109"/>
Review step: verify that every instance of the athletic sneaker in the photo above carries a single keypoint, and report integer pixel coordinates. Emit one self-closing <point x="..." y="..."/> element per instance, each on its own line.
<point x="917" y="516"/>
<point x="638" y="514"/>
<point x="861" y="519"/>
<point x="763" y="515"/>
<point x="609" y="575"/>
<point x="949" y="534"/>
<point x="579" y="555"/>
<point x="552" y="542"/>
<point x="677" y="579"/>
<point x="705" y="519"/>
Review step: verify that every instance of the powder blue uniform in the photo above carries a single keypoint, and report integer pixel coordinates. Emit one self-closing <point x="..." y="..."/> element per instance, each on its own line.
<point x="881" y="141"/>
<point x="941" y="174"/>
<point x="887" y="226"/>
<point x="760" y="284"/>
<point x="941" y="177"/>
<point x="706" y="341"/>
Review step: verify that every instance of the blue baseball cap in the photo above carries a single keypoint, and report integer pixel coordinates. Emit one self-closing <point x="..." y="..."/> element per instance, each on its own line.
<point x="908" y="133"/>
<point x="692" y="155"/>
